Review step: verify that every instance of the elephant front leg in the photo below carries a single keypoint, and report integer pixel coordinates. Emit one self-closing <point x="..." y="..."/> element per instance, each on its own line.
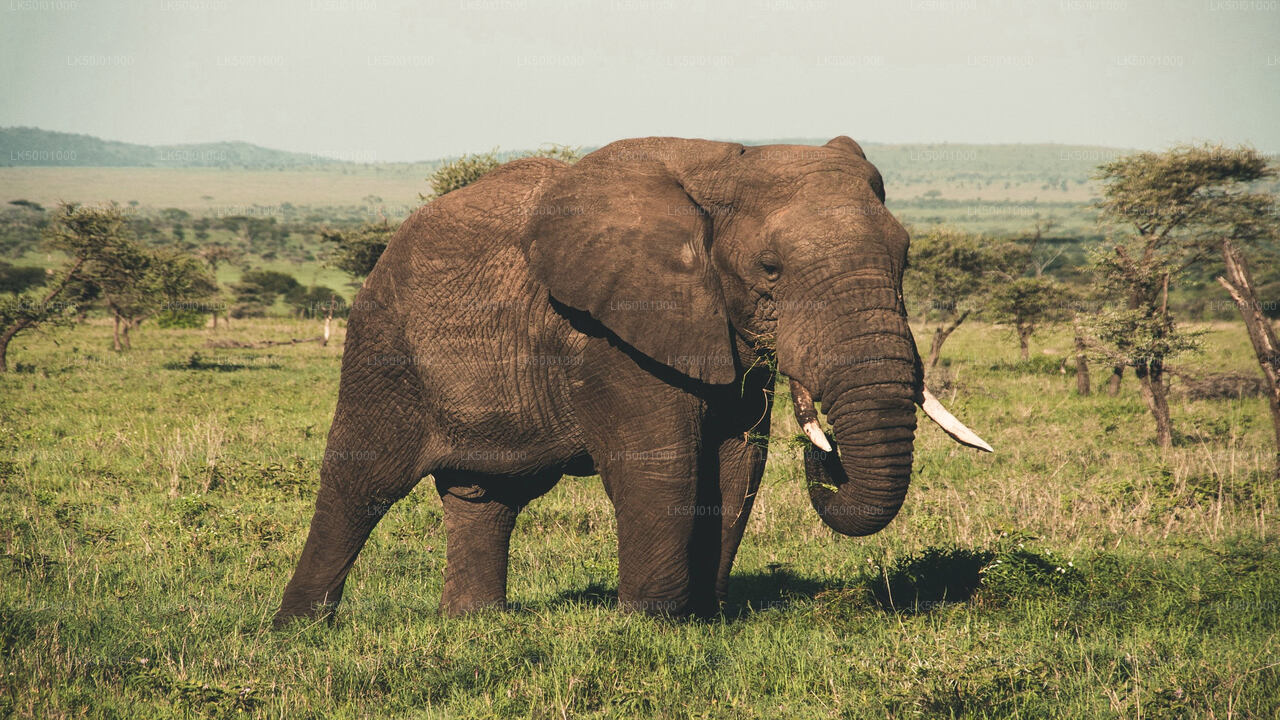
<point x="656" y="509"/>
<point x="741" y="461"/>
<point x="677" y="538"/>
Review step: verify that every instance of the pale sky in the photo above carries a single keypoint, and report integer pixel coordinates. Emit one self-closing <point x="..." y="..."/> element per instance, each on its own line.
<point x="385" y="80"/>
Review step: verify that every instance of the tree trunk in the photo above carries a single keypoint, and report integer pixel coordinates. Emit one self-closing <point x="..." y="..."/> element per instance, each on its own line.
<point x="4" y="346"/>
<point x="1156" y="394"/>
<point x="1024" y="341"/>
<point x="1239" y="283"/>
<point x="940" y="336"/>
<point x="1082" y="363"/>
<point x="1113" y="384"/>
<point x="115" y="335"/>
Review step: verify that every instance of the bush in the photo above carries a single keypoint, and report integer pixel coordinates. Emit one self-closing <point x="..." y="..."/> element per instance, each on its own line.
<point x="18" y="278"/>
<point x="257" y="291"/>
<point x="248" y="310"/>
<point x="1222" y="386"/>
<point x="182" y="318"/>
<point x="459" y="173"/>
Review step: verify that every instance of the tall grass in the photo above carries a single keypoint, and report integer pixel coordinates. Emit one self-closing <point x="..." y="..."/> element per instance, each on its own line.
<point x="152" y="506"/>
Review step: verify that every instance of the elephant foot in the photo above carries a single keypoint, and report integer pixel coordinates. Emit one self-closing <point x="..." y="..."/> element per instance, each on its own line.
<point x="458" y="607"/>
<point x="310" y="612"/>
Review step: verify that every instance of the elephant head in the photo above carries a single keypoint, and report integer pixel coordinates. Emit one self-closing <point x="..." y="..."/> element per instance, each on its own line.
<point x="686" y="249"/>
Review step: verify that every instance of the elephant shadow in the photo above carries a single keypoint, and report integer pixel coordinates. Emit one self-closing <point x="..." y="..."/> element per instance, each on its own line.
<point x="749" y="592"/>
<point x="920" y="588"/>
<point x="774" y="588"/>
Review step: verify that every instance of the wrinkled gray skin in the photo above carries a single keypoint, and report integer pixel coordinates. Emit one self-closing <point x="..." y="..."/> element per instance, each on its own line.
<point x="609" y="317"/>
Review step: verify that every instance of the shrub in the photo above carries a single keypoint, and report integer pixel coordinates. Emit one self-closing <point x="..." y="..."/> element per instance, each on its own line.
<point x="180" y="318"/>
<point x="465" y="170"/>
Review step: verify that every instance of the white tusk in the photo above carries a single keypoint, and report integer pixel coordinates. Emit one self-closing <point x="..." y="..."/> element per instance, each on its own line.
<point x="807" y="416"/>
<point x="950" y="424"/>
<point x="816" y="436"/>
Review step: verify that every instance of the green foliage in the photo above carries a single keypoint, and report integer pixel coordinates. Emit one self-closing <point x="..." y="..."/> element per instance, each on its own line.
<point x="1136" y="338"/>
<point x="258" y="289"/>
<point x="1026" y="302"/>
<point x="934" y="575"/>
<point x="180" y="318"/>
<point x="358" y="250"/>
<point x="1170" y="196"/>
<point x="465" y="170"/>
<point x="1017" y="570"/>
<point x="22" y="225"/>
<point x="953" y="271"/>
<point x="29" y="310"/>
<point x="314" y="302"/>
<point x="95" y="232"/>
<point x="89" y="236"/>
<point x="17" y="278"/>
<point x="461" y="172"/>
<point x="1011" y="568"/>
<point x="270" y="281"/>
<point x="181" y="282"/>
<point x="1176" y="207"/>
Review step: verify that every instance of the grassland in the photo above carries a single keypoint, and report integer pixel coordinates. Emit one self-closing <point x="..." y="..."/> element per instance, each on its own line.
<point x="220" y="191"/>
<point x="152" y="505"/>
<point x="995" y="202"/>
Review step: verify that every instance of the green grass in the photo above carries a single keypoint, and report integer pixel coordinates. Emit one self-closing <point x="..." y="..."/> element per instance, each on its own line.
<point x="152" y="507"/>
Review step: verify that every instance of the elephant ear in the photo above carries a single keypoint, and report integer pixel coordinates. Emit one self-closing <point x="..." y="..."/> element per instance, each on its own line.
<point x="845" y="144"/>
<point x="624" y="242"/>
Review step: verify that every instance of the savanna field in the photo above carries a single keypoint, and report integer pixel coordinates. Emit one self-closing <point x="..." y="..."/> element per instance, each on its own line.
<point x="153" y="504"/>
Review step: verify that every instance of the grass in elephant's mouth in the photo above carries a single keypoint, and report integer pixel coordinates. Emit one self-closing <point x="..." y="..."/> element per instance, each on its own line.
<point x="150" y="517"/>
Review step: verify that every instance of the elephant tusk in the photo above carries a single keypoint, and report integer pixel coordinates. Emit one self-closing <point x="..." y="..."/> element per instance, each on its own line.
<point x="950" y="424"/>
<point x="807" y="416"/>
<point x="816" y="436"/>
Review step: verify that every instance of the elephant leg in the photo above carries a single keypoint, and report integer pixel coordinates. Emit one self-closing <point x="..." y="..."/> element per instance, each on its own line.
<point x="656" y="508"/>
<point x="479" y="515"/>
<point x="371" y="461"/>
<point x="741" y="465"/>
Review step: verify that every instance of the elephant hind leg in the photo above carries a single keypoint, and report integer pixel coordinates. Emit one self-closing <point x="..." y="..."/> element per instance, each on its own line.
<point x="479" y="514"/>
<point x="373" y="458"/>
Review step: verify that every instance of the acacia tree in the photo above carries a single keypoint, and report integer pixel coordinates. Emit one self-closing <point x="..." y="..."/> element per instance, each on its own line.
<point x="1024" y="303"/>
<point x="1240" y="218"/>
<point x="1176" y="207"/>
<point x="183" y="285"/>
<point x="213" y="256"/>
<point x="124" y="279"/>
<point x="85" y="235"/>
<point x="358" y="250"/>
<point x="954" y="271"/>
<point x="1144" y="337"/>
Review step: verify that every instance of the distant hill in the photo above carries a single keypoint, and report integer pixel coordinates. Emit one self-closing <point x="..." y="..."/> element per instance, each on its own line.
<point x="27" y="147"/>
<point x="910" y="163"/>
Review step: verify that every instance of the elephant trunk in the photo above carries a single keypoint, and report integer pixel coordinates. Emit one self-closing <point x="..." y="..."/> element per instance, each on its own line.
<point x="858" y="487"/>
<point x="858" y="483"/>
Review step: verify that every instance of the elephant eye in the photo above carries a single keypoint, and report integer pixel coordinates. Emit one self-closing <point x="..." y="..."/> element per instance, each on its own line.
<point x="770" y="265"/>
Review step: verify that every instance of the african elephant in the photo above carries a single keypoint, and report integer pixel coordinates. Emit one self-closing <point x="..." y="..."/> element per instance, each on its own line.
<point x="622" y="316"/>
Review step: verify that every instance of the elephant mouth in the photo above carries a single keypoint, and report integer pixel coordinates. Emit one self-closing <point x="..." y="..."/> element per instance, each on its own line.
<point x="807" y="417"/>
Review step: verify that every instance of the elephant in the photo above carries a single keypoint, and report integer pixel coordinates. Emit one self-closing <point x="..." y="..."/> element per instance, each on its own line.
<point x="626" y="316"/>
